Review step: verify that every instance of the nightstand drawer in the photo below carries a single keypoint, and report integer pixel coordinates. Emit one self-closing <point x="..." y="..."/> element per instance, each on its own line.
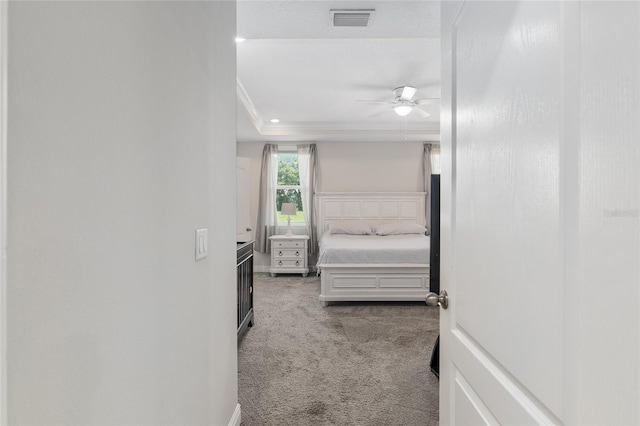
<point x="288" y="253"/>
<point x="288" y="244"/>
<point x="287" y="263"/>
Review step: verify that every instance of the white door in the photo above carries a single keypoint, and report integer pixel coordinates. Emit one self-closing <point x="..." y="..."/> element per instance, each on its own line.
<point x="540" y="213"/>
<point x="243" y="200"/>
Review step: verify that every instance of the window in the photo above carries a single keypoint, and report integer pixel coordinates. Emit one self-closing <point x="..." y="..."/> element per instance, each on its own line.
<point x="288" y="187"/>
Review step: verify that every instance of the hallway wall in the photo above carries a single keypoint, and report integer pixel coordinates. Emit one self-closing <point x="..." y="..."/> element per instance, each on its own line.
<point x="121" y="144"/>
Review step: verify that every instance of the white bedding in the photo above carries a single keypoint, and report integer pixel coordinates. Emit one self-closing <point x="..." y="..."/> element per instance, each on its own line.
<point x="342" y="248"/>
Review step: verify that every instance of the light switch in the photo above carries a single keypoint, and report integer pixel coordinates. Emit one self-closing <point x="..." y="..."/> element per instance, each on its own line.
<point x="201" y="243"/>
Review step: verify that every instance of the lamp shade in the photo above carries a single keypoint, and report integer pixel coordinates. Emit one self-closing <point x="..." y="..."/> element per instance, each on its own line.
<point x="288" y="209"/>
<point x="403" y="110"/>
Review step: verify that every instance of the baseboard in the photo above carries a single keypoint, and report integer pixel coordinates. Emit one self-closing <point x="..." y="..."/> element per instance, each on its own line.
<point x="236" y="418"/>
<point x="266" y="268"/>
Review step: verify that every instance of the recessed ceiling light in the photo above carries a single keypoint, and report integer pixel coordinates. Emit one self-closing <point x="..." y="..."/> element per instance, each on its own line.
<point x="240" y="39"/>
<point x="275" y="120"/>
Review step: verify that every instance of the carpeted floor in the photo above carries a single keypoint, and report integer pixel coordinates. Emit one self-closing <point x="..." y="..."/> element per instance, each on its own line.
<point x="352" y="363"/>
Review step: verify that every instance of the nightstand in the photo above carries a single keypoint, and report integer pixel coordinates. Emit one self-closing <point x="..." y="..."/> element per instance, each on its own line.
<point x="289" y="254"/>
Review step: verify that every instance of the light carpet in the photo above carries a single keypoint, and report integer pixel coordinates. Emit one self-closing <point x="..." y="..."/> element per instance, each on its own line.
<point x="350" y="363"/>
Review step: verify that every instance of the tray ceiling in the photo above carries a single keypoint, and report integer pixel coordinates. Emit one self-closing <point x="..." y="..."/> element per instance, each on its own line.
<point x="296" y="67"/>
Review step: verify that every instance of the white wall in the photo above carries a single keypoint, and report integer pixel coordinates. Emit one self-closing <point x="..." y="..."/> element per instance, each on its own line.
<point x="349" y="167"/>
<point x="121" y="144"/>
<point x="374" y="167"/>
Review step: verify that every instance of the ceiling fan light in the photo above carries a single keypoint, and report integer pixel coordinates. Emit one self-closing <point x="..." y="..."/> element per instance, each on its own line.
<point x="402" y="110"/>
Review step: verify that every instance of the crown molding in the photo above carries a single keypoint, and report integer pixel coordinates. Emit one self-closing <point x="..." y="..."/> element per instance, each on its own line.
<point x="330" y="128"/>
<point x="246" y="102"/>
<point x="306" y="129"/>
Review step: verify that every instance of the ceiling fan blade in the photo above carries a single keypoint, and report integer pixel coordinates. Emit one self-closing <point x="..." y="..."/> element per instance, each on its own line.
<point x="407" y="93"/>
<point x="421" y="112"/>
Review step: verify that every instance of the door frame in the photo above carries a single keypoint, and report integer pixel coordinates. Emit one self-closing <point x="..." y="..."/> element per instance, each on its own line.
<point x="3" y="209"/>
<point x="447" y="174"/>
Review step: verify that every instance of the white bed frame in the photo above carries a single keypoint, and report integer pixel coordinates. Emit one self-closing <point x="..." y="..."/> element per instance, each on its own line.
<point x="369" y="282"/>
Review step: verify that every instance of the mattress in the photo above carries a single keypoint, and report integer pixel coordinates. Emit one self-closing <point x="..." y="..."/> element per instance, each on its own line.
<point x="343" y="248"/>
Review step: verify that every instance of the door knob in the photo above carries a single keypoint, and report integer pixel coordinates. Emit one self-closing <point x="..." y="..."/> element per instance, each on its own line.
<point x="442" y="299"/>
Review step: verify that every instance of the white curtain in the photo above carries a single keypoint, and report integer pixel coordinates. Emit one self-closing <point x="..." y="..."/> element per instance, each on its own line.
<point x="426" y="183"/>
<point x="307" y="169"/>
<point x="267" y="214"/>
<point x="435" y="159"/>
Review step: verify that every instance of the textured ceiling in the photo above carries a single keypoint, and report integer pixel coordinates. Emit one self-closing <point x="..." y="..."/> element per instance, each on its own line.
<point x="298" y="68"/>
<point x="311" y="19"/>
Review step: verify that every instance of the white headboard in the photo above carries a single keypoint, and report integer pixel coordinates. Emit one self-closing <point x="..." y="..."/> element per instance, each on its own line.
<point x="370" y="207"/>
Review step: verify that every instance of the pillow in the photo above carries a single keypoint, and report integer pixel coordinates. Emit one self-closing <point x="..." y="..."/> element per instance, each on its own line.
<point x="354" y="228"/>
<point x="396" y="228"/>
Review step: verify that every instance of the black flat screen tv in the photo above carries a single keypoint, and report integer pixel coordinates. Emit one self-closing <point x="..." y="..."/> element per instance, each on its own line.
<point x="434" y="256"/>
<point x="434" y="261"/>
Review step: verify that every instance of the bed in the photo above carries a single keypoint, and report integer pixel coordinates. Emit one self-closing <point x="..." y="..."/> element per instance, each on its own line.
<point x="372" y="267"/>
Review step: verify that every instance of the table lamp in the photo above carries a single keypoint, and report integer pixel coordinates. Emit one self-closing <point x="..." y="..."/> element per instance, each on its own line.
<point x="288" y="209"/>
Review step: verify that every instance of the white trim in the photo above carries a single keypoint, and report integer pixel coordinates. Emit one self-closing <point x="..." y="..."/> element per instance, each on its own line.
<point x="237" y="417"/>
<point x="285" y="187"/>
<point x="247" y="103"/>
<point x="385" y="128"/>
<point x="4" y="17"/>
<point x="267" y="268"/>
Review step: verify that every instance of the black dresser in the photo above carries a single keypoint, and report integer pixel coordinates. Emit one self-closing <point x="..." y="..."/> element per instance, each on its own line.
<point x="244" y="283"/>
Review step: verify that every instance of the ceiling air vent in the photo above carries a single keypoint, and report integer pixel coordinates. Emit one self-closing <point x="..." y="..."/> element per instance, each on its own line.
<point x="351" y="17"/>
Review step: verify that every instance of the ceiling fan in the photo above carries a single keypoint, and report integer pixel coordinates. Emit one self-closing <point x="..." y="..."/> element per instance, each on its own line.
<point x="403" y="102"/>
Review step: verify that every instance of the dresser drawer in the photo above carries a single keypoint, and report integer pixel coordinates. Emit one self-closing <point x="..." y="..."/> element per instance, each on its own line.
<point x="288" y="253"/>
<point x="287" y="263"/>
<point x="288" y="244"/>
